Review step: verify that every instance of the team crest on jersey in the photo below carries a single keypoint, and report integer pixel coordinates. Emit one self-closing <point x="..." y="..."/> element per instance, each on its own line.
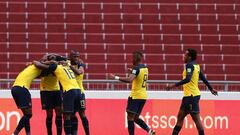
<point x="189" y="70"/>
<point x="134" y="71"/>
<point x="145" y="71"/>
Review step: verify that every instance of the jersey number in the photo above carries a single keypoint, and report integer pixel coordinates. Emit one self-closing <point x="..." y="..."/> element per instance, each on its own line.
<point x="144" y="80"/>
<point x="69" y="73"/>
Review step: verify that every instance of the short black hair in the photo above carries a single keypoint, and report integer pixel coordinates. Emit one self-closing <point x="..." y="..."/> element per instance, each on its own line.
<point x="61" y="58"/>
<point x="72" y="52"/>
<point x="138" y="55"/>
<point x="192" y="53"/>
<point x="51" y="57"/>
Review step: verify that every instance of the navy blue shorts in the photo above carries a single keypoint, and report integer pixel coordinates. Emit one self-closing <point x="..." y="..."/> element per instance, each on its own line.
<point x="50" y="99"/>
<point x="135" y="105"/>
<point x="190" y="104"/>
<point x="22" y="97"/>
<point x="71" y="100"/>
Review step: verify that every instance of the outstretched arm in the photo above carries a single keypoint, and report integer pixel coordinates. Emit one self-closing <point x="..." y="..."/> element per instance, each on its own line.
<point x="205" y="81"/>
<point x="189" y="70"/>
<point x="128" y="79"/>
<point x="134" y="73"/>
<point x="182" y="82"/>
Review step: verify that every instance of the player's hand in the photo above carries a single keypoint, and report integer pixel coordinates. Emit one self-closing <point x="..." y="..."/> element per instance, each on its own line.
<point x="28" y="63"/>
<point x="35" y="62"/>
<point x="214" y="92"/>
<point x="129" y="70"/>
<point x="111" y="76"/>
<point x="169" y="86"/>
<point x="80" y="61"/>
<point x="68" y="63"/>
<point x="64" y="63"/>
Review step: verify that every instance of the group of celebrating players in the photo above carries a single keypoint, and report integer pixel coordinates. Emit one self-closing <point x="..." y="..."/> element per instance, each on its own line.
<point x="62" y="91"/>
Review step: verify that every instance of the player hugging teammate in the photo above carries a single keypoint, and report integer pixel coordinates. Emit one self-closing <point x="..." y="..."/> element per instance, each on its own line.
<point x="54" y="70"/>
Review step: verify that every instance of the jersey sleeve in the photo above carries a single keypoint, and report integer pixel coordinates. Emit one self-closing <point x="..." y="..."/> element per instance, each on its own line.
<point x="189" y="69"/>
<point x="189" y="73"/>
<point x="45" y="72"/>
<point x="49" y="70"/>
<point x="81" y="65"/>
<point x="135" y="71"/>
<point x="52" y="67"/>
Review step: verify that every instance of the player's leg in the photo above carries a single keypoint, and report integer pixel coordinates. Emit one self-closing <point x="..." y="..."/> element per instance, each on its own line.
<point x="57" y="105"/>
<point x="131" y="127"/>
<point x="195" y="114"/>
<point x="84" y="121"/>
<point x="24" y="122"/>
<point x="67" y="122"/>
<point x="49" y="114"/>
<point x="28" y="115"/>
<point x="82" y="114"/>
<point x="140" y="104"/>
<point x="77" y="106"/>
<point x="58" y="119"/>
<point x="23" y="100"/>
<point x="133" y="109"/>
<point x="196" y="119"/>
<point x="46" y="101"/>
<point x="69" y="99"/>
<point x="143" y="125"/>
<point x="185" y="108"/>
<point x="180" y="119"/>
<point x="74" y="123"/>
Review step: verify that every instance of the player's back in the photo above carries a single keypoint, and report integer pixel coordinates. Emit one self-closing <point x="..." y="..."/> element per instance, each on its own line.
<point x="66" y="77"/>
<point x="25" y="77"/>
<point x="49" y="83"/>
<point x="139" y="83"/>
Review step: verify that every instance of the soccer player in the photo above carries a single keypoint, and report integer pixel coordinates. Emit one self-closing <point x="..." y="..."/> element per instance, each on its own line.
<point x="190" y="101"/>
<point x="77" y="67"/>
<point x="51" y="100"/>
<point x="138" y="96"/>
<point x="71" y="89"/>
<point x="22" y="96"/>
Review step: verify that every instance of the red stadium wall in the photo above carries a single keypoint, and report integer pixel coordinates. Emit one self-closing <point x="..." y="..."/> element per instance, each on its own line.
<point x="107" y="117"/>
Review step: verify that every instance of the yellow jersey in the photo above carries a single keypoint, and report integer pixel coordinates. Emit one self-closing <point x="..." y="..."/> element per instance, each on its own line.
<point x="191" y="88"/>
<point x="25" y="77"/>
<point x="139" y="84"/>
<point x="66" y="77"/>
<point x="79" y="78"/>
<point x="49" y="83"/>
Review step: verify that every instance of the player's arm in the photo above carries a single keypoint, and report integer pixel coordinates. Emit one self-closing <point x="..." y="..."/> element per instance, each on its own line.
<point x="40" y="65"/>
<point x="205" y="81"/>
<point x="79" y="70"/>
<point x="52" y="67"/>
<point x="129" y="79"/>
<point x="189" y="70"/>
<point x="48" y="56"/>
